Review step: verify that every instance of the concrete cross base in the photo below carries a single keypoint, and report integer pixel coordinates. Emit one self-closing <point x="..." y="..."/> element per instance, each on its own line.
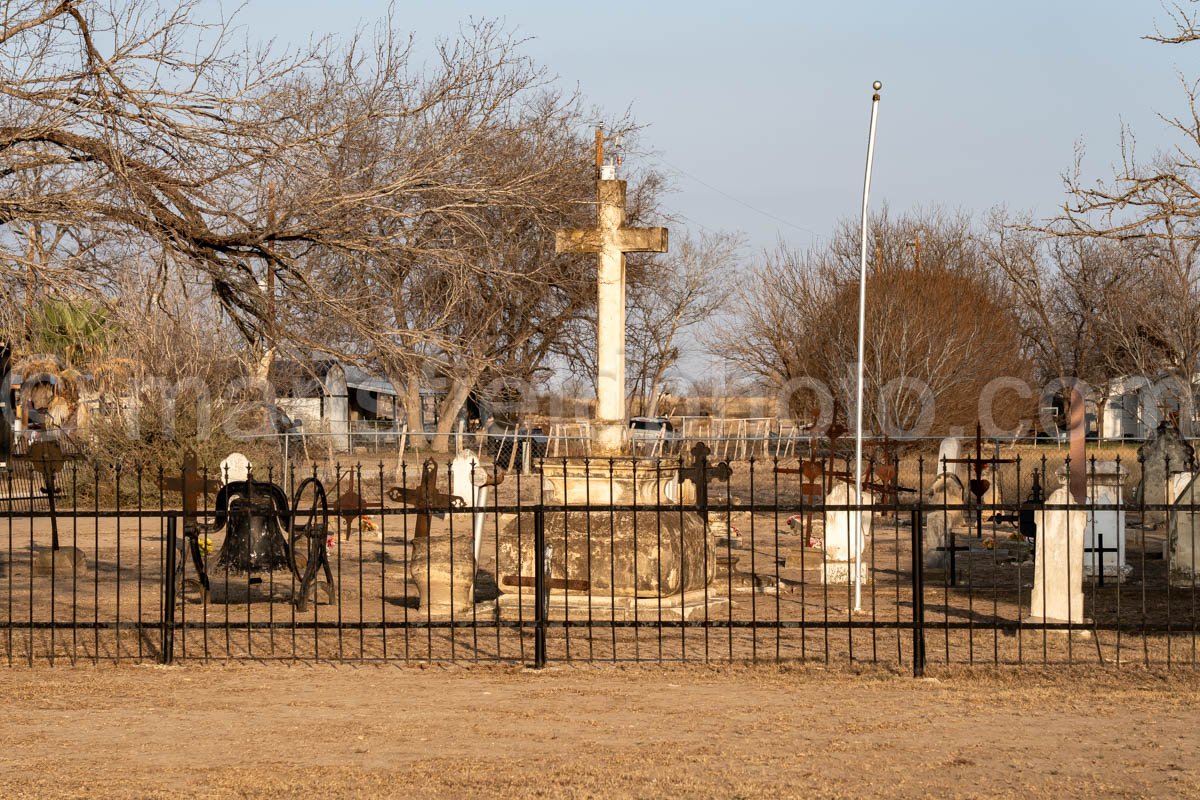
<point x="444" y="578"/>
<point x="63" y="561"/>
<point x="842" y="572"/>
<point x="563" y="605"/>
<point x="485" y="611"/>
<point x="653" y="553"/>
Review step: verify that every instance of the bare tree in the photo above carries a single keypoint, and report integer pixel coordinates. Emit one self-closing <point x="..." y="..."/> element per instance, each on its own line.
<point x="938" y="332"/>
<point x="681" y="293"/>
<point x="1145" y="219"/>
<point x="251" y="168"/>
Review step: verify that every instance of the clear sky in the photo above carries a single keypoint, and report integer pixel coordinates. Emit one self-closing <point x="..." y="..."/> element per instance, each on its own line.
<point x="760" y="109"/>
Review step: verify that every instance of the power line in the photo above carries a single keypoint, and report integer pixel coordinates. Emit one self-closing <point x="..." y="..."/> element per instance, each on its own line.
<point x="737" y="200"/>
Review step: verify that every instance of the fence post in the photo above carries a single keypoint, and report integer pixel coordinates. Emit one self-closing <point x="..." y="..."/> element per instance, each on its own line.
<point x="168" y="615"/>
<point x="918" y="589"/>
<point x="541" y="591"/>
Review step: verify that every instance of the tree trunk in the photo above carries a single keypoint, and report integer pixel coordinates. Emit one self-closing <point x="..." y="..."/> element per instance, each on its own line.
<point x="448" y="413"/>
<point x="412" y="410"/>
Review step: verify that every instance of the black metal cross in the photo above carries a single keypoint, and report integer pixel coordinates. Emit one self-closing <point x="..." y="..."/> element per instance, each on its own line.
<point x="700" y="473"/>
<point x="191" y="485"/>
<point x="978" y="485"/>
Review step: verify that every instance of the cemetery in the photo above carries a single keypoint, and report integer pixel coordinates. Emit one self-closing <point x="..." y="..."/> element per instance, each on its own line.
<point x="400" y="402"/>
<point x="681" y="559"/>
<point x="896" y="556"/>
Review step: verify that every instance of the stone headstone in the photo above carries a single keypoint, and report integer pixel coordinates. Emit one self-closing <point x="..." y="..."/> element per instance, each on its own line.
<point x="949" y="450"/>
<point x="442" y="569"/>
<point x="467" y="475"/>
<point x="947" y="490"/>
<point x="63" y="562"/>
<point x="647" y="553"/>
<point x="846" y="533"/>
<point x="1183" y="543"/>
<point x="1058" y="566"/>
<point x="1164" y="454"/>
<point x="1104" y="534"/>
<point x="235" y="467"/>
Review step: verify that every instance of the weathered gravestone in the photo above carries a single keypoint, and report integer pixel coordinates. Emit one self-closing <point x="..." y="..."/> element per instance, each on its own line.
<point x="846" y="533"/>
<point x="1058" y="566"/>
<point x="235" y="467"/>
<point x="1163" y="455"/>
<point x="1183" y="542"/>
<point x="441" y="566"/>
<point x="941" y="519"/>
<point x="1104" y="531"/>
<point x="469" y="482"/>
<point x="948" y="462"/>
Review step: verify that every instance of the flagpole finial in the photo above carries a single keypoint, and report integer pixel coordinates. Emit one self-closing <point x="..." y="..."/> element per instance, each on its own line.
<point x="877" y="86"/>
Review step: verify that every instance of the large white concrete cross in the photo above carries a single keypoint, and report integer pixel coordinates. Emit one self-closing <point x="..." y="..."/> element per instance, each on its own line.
<point x="611" y="240"/>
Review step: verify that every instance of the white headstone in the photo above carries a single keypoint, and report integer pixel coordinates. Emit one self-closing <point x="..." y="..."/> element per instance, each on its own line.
<point x="846" y="533"/>
<point x="1183" y="550"/>
<point x="946" y="491"/>
<point x="1105" y="527"/>
<point x="948" y="450"/>
<point x="466" y="476"/>
<point x="1058" y="567"/>
<point x="235" y="467"/>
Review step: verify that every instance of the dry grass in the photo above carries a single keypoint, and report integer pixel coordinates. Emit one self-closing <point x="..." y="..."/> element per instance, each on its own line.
<point x="258" y="731"/>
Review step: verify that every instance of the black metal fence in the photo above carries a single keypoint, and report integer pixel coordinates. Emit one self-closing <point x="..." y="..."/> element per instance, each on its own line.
<point x="632" y="561"/>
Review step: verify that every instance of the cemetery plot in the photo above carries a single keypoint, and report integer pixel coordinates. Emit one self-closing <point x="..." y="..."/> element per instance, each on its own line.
<point x="764" y="586"/>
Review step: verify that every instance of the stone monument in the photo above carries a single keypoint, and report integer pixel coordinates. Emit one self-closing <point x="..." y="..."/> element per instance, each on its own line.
<point x="1162" y="455"/>
<point x="235" y="467"/>
<point x="947" y="491"/>
<point x="948" y="459"/>
<point x="1058" y="566"/>
<point x="658" y="552"/>
<point x="1104" y="534"/>
<point x="469" y="483"/>
<point x="1183" y="544"/>
<point x="846" y="533"/>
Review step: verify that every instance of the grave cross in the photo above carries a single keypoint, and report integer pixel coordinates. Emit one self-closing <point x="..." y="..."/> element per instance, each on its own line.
<point x="191" y="485"/>
<point x="610" y="240"/>
<point x="700" y="472"/>
<point x="426" y="498"/>
<point x="979" y="485"/>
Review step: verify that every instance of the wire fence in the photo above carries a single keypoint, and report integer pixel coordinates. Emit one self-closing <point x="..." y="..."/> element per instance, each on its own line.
<point x="732" y="439"/>
<point x="592" y="560"/>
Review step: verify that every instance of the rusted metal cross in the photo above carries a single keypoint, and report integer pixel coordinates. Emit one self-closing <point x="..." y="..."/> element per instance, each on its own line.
<point x="48" y="459"/>
<point x="610" y="240"/>
<point x="979" y="485"/>
<point x="425" y="498"/>
<point x="190" y="485"/>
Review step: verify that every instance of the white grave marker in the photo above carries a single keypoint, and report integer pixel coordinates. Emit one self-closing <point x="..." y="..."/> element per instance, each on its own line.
<point x="1058" y="568"/>
<point x="235" y="467"/>
<point x="466" y="478"/>
<point x="846" y="534"/>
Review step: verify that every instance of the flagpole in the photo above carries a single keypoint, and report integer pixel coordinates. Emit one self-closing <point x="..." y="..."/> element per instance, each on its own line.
<point x="862" y="322"/>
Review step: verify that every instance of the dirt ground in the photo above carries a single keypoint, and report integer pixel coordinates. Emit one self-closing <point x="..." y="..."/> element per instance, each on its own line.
<point x="332" y="732"/>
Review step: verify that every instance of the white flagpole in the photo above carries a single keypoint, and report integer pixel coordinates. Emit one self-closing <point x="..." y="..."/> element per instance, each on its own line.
<point x="862" y="323"/>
